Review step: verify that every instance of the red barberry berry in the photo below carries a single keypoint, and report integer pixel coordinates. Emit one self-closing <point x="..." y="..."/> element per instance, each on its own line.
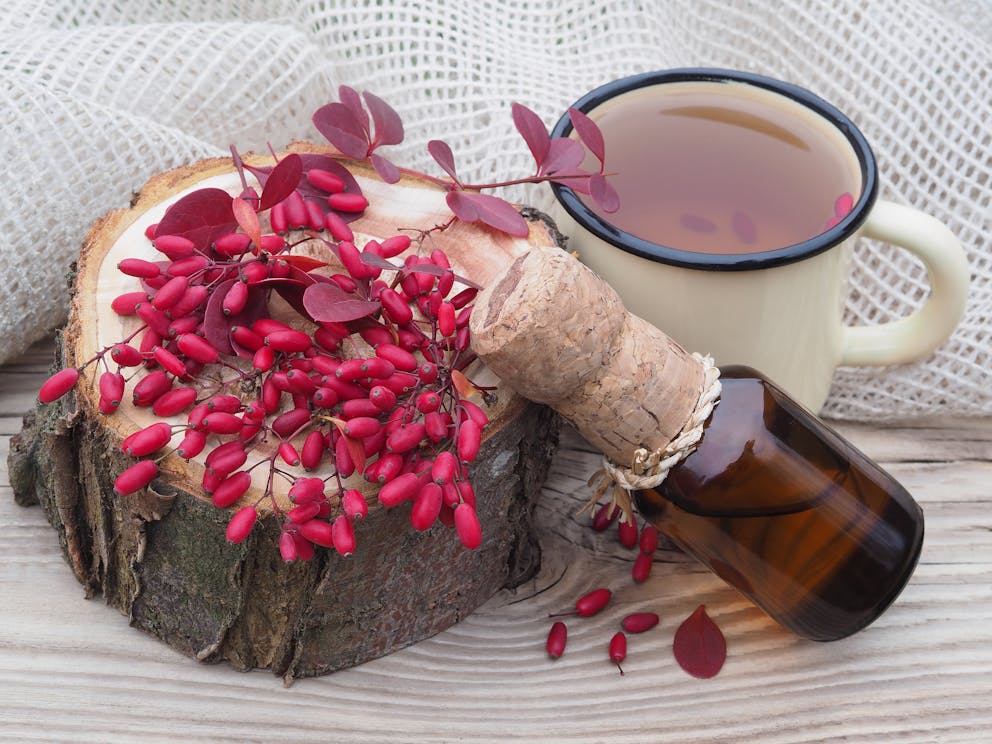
<point x="343" y="535"/>
<point x="642" y="567"/>
<point x="241" y="524"/>
<point x="353" y="504"/>
<point x="136" y="477"/>
<point x="232" y="488"/>
<point x="557" y="637"/>
<point x="639" y="622"/>
<point x="649" y="539"/>
<point x="58" y="385"/>
<point x="468" y="527"/>
<point x="627" y="532"/>
<point x="618" y="650"/>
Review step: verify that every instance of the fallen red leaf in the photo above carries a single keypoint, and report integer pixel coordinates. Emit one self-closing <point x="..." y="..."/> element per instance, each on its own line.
<point x="700" y="648"/>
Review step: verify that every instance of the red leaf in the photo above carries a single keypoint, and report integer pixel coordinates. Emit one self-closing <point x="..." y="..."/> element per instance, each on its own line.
<point x="490" y="210"/>
<point x="588" y="132"/>
<point x="564" y="155"/>
<point x="282" y="180"/>
<point x="357" y="452"/>
<point x="342" y="129"/>
<point x="576" y="179"/>
<point x="700" y="648"/>
<point x="432" y="269"/>
<point x="603" y="193"/>
<point x="201" y="216"/>
<point x="247" y="220"/>
<point x="426" y="268"/>
<point x="310" y="192"/>
<point x="533" y="131"/>
<point x="442" y="155"/>
<point x="355" y="448"/>
<point x="292" y="287"/>
<point x="388" y="125"/>
<point x="386" y="170"/>
<point x="217" y="325"/>
<point x="329" y="303"/>
<point x="464" y="209"/>
<point x="325" y="162"/>
<point x="303" y="263"/>
<point x="462" y="384"/>
<point x="239" y="166"/>
<point x="371" y="259"/>
<point x="350" y="98"/>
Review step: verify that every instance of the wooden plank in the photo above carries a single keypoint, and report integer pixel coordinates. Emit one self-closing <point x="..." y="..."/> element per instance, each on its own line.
<point x="19" y="383"/>
<point x="72" y="670"/>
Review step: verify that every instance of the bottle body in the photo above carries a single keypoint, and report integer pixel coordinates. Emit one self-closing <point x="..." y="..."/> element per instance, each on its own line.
<point x="789" y="513"/>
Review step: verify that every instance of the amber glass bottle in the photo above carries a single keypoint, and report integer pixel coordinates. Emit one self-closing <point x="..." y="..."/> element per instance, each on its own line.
<point x="792" y="515"/>
<point x="772" y="500"/>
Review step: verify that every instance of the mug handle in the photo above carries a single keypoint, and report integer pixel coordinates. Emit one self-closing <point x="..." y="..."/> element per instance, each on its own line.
<point x="922" y="331"/>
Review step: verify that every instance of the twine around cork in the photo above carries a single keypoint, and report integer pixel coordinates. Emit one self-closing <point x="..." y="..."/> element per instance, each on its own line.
<point x="558" y="334"/>
<point x="649" y="469"/>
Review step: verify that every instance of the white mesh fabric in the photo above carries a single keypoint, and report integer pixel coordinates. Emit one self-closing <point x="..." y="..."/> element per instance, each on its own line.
<point x="97" y="96"/>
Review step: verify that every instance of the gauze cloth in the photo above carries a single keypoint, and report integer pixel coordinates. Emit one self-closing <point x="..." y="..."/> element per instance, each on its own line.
<point x="95" y="97"/>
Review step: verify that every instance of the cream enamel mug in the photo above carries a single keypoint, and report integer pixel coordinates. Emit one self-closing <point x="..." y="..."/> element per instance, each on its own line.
<point x="778" y="310"/>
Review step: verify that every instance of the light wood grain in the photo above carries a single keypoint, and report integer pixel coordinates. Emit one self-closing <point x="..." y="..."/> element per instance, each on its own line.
<point x="71" y="670"/>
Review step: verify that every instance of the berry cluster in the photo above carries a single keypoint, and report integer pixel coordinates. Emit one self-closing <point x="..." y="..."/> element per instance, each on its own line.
<point x="592" y="604"/>
<point x="383" y="397"/>
<point x="595" y="601"/>
<point x="366" y="378"/>
<point x="627" y="533"/>
<point x="699" y="646"/>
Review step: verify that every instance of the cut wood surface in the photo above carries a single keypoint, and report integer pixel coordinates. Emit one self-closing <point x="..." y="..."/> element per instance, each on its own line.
<point x="71" y="670"/>
<point x="160" y="555"/>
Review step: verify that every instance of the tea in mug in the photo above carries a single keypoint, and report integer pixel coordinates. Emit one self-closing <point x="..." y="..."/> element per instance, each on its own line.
<point x="723" y="167"/>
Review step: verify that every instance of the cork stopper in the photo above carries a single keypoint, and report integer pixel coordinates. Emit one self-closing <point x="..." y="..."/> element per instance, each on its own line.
<point x="558" y="334"/>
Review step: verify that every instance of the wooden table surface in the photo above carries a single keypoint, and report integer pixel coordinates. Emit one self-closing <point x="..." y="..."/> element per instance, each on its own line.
<point x="72" y="670"/>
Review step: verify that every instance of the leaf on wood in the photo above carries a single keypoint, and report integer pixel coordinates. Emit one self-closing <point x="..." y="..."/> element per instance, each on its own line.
<point x="443" y="156"/>
<point x="292" y="286"/>
<point x="589" y="133"/>
<point x="239" y="350"/>
<point x="435" y="270"/>
<point x="699" y="646"/>
<point x="355" y="448"/>
<point x="603" y="193"/>
<point x="371" y="259"/>
<point x="342" y="129"/>
<point x="329" y="303"/>
<point x="282" y="181"/>
<point x="201" y="216"/>
<point x="296" y="278"/>
<point x="256" y="307"/>
<point x="388" y="125"/>
<point x="325" y="162"/>
<point x="533" y="131"/>
<point x="310" y="192"/>
<point x="303" y="263"/>
<point x="488" y="209"/>
<point x="217" y="325"/>
<point x="387" y="171"/>
<point x="462" y="384"/>
<point x="563" y="155"/>
<point x="247" y="220"/>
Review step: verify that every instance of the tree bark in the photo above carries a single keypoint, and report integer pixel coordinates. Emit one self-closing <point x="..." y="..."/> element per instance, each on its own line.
<point x="160" y="556"/>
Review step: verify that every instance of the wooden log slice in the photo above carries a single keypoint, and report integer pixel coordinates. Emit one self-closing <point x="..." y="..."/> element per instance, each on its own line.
<point x="160" y="556"/>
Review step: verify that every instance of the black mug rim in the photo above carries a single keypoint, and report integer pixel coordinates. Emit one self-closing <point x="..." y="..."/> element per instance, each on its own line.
<point x="630" y="243"/>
